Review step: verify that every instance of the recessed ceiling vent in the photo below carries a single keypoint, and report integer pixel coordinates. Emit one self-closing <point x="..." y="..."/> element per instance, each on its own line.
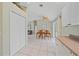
<point x="41" y="5"/>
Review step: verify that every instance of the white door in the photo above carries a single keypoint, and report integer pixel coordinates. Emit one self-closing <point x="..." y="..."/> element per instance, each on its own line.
<point x="17" y="32"/>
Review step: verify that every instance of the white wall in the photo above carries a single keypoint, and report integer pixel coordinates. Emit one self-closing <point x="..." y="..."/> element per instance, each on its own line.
<point x="5" y="29"/>
<point x="1" y="29"/>
<point x="26" y="29"/>
<point x="70" y="15"/>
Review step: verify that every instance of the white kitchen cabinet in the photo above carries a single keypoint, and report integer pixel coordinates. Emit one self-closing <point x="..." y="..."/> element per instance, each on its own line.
<point x="70" y="14"/>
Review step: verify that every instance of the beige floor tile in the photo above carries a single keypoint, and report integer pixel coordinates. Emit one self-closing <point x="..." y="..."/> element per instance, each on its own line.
<point x="42" y="53"/>
<point x="42" y="47"/>
<point x="51" y="54"/>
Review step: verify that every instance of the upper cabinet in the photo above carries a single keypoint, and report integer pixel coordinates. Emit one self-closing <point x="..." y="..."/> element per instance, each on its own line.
<point x="70" y="14"/>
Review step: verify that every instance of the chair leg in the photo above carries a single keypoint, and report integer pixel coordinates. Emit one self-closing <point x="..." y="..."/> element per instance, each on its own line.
<point x="37" y="36"/>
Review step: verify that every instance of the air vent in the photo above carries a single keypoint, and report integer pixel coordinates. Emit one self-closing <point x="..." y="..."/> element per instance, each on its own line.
<point x="41" y="5"/>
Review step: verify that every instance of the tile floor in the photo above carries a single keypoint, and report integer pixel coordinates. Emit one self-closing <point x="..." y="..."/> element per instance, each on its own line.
<point x="40" y="47"/>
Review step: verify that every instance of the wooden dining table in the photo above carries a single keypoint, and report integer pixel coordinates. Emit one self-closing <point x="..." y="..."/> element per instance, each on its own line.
<point x="43" y="34"/>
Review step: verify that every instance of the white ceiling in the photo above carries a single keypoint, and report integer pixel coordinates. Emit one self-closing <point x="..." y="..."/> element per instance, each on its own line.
<point x="51" y="9"/>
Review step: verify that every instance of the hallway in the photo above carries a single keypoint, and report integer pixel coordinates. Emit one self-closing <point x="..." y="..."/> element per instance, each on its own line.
<point x="43" y="47"/>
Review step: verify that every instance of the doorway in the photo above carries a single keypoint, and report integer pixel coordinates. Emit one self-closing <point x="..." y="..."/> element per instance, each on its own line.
<point x="54" y="29"/>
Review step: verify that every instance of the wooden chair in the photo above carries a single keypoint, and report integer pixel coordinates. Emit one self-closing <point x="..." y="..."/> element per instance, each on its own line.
<point x="39" y="34"/>
<point x="47" y="34"/>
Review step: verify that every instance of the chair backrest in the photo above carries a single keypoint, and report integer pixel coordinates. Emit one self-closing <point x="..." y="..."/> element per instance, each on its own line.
<point x="46" y="31"/>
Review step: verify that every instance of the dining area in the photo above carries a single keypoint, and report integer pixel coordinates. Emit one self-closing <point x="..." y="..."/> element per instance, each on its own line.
<point x="40" y="28"/>
<point x="43" y="33"/>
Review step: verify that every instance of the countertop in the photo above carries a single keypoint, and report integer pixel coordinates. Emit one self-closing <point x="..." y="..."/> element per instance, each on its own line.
<point x="71" y="44"/>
